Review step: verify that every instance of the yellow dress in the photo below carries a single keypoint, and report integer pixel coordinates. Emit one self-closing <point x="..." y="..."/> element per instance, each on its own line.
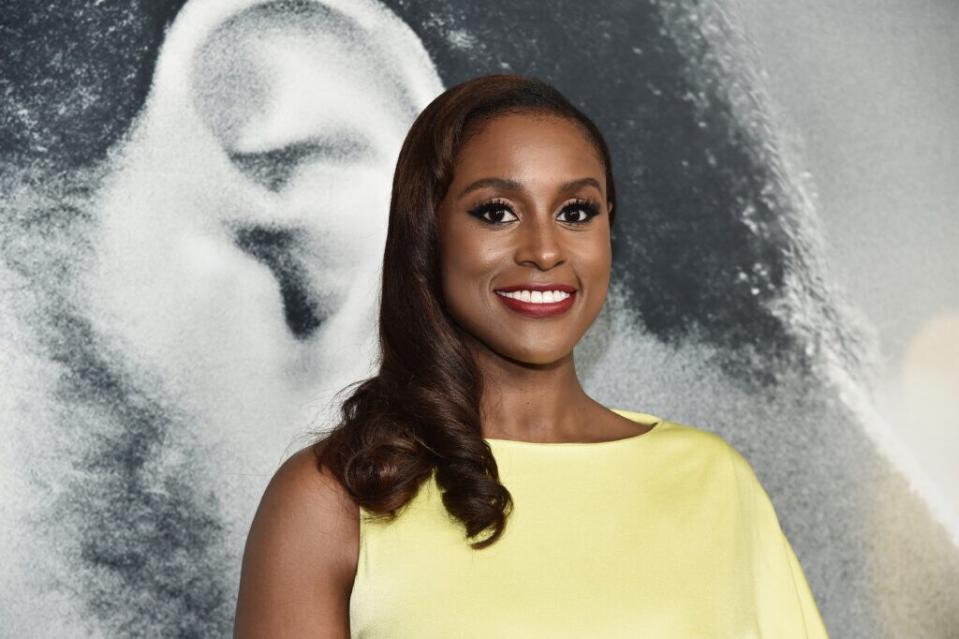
<point x="664" y="534"/>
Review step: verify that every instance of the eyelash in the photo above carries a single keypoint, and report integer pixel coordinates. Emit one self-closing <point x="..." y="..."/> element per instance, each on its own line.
<point x="492" y="206"/>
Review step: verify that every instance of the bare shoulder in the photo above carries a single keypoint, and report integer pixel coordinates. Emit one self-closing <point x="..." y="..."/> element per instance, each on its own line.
<point x="307" y="494"/>
<point x="303" y="498"/>
<point x="301" y="555"/>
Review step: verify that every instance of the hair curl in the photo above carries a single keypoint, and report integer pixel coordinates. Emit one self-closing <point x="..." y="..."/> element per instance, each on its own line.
<point x="421" y="411"/>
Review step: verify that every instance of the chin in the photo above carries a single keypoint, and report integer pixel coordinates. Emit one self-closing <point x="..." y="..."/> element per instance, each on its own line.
<point x="539" y="357"/>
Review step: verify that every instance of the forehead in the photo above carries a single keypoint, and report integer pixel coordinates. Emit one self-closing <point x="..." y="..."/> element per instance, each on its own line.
<point x="527" y="143"/>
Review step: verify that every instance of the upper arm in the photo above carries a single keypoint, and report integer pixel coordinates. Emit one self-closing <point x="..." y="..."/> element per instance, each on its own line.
<point x="300" y="557"/>
<point x="784" y="601"/>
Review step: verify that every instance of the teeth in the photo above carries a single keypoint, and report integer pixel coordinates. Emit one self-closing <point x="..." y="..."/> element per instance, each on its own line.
<point x="536" y="297"/>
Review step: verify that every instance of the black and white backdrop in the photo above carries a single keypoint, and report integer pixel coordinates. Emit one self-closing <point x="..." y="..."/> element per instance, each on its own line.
<point x="194" y="200"/>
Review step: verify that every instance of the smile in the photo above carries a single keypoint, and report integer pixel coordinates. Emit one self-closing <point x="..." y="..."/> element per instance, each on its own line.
<point x="537" y="303"/>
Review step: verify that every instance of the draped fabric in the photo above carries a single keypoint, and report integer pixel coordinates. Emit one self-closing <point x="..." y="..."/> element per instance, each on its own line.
<point x="664" y="534"/>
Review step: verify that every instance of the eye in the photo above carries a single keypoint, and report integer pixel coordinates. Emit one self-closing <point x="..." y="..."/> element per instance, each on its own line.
<point x="583" y="210"/>
<point x="497" y="210"/>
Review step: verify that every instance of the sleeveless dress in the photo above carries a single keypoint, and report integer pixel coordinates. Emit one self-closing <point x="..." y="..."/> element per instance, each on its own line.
<point x="665" y="534"/>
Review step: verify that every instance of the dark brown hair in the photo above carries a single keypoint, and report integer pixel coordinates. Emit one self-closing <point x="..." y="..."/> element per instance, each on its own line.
<point x="420" y="412"/>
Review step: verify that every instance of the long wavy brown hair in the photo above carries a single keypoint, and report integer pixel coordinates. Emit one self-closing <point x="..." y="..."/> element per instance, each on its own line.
<point x="421" y="411"/>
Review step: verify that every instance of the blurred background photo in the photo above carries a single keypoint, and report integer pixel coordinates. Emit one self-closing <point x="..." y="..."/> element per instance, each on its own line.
<point x="193" y="202"/>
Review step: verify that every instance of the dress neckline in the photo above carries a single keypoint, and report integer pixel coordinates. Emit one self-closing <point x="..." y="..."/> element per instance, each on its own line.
<point x="639" y="418"/>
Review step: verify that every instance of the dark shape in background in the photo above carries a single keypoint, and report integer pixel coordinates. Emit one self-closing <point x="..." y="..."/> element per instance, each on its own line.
<point x="74" y="75"/>
<point x="689" y="172"/>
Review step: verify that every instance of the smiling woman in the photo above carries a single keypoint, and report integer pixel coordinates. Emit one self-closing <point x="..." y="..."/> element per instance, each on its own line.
<point x="526" y="213"/>
<point x="597" y="521"/>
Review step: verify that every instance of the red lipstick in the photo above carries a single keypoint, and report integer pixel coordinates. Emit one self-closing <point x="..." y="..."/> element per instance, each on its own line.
<point x="534" y="309"/>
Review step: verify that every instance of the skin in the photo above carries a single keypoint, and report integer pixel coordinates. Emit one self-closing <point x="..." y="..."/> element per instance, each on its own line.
<point x="533" y="393"/>
<point x="301" y="555"/>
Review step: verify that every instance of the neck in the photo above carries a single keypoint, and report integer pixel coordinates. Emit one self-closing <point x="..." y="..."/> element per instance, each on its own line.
<point x="534" y="402"/>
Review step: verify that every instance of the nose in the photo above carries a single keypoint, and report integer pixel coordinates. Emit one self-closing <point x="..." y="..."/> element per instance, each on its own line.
<point x="539" y="244"/>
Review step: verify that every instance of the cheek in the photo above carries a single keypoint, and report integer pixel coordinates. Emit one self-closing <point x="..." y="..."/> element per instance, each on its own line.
<point x="467" y="260"/>
<point x="467" y="272"/>
<point x="595" y="258"/>
<point x="460" y="271"/>
<point x="463" y="284"/>
<point x="596" y="269"/>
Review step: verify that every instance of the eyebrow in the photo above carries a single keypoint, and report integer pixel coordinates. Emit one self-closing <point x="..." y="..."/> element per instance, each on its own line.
<point x="513" y="185"/>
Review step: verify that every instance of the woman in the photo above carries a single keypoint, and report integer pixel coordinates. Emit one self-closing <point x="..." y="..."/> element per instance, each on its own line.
<point x="472" y="487"/>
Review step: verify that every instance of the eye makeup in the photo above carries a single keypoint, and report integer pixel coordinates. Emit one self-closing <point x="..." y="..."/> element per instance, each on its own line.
<point x="496" y="208"/>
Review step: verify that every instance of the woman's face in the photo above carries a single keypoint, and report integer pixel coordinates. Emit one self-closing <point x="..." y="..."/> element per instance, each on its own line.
<point x="526" y="207"/>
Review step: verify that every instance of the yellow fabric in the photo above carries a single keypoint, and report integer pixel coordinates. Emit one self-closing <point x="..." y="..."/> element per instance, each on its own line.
<point x="665" y="534"/>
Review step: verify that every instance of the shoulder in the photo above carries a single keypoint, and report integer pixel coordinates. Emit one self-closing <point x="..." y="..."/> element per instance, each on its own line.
<point x="304" y="505"/>
<point x="687" y="447"/>
<point x="708" y="448"/>
<point x="726" y="468"/>
<point x="699" y="441"/>
<point x="738" y="472"/>
<point x="301" y="478"/>
<point x="301" y="554"/>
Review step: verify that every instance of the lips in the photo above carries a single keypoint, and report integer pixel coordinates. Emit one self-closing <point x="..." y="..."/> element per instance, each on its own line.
<point x="541" y="309"/>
